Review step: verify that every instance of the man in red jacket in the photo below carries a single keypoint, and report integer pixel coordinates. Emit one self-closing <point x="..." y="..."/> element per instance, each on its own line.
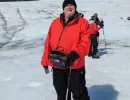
<point x="95" y="26"/>
<point x="65" y="48"/>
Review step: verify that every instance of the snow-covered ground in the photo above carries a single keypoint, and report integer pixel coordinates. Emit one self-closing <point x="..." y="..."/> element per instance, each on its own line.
<point x="23" y="28"/>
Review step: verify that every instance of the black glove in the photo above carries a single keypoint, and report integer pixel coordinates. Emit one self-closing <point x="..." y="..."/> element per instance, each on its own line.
<point x="102" y="25"/>
<point x="102" y="21"/>
<point x="73" y="56"/>
<point x="46" y="69"/>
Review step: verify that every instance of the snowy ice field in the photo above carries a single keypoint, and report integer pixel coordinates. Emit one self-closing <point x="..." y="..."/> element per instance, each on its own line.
<point x="23" y="28"/>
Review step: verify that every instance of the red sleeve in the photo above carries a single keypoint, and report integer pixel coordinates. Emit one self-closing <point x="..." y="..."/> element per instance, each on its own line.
<point x="95" y="28"/>
<point x="84" y="44"/>
<point x="47" y="49"/>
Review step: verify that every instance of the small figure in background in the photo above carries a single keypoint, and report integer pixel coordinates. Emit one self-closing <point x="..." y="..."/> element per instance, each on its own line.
<point x="95" y="26"/>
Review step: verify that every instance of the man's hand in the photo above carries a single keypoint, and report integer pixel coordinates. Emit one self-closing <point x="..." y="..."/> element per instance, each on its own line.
<point x="73" y="56"/>
<point x="46" y="69"/>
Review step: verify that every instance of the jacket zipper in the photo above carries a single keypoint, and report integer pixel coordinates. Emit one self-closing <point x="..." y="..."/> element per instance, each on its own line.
<point x="60" y="36"/>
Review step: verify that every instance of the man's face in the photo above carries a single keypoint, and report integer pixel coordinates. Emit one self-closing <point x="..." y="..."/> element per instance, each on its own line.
<point x="69" y="10"/>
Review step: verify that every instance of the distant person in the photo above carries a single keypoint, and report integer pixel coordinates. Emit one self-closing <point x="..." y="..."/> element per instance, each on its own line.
<point x="65" y="48"/>
<point x="95" y="26"/>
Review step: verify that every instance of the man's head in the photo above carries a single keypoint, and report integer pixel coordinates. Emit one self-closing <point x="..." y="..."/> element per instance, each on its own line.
<point x="66" y="2"/>
<point x="95" y="15"/>
<point x="69" y="7"/>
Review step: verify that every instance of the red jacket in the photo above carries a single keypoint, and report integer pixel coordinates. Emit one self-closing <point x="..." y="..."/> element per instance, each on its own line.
<point x="75" y="37"/>
<point x="93" y="27"/>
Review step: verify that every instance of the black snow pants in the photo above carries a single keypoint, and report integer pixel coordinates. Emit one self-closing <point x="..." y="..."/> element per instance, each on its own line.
<point x="77" y="84"/>
<point x="94" y="44"/>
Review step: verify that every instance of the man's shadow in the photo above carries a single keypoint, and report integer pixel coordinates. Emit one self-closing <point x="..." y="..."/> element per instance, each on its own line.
<point x="103" y="51"/>
<point x="103" y="92"/>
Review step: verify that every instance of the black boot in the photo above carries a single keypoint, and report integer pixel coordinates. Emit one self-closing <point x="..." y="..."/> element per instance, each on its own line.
<point x="90" y="54"/>
<point x="96" y="56"/>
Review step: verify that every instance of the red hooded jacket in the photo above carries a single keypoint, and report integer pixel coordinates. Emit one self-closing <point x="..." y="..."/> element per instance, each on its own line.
<point x="93" y="27"/>
<point x="74" y="37"/>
